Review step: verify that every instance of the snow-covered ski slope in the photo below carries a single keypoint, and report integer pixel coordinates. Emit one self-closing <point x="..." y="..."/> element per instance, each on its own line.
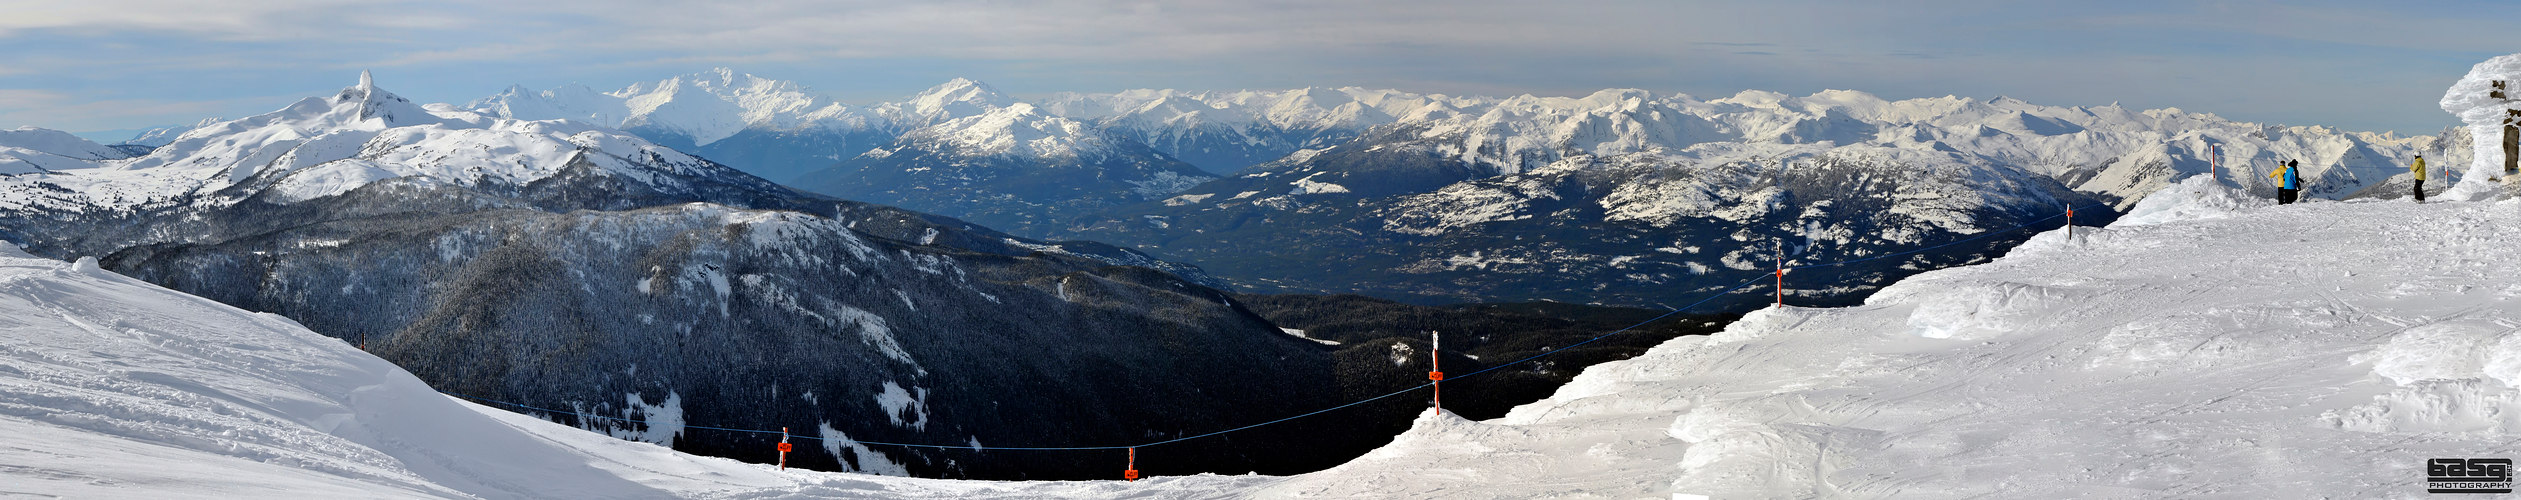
<point x="2207" y="345"/>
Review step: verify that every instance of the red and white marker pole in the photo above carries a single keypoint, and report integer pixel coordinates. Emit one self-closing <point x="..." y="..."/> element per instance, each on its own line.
<point x="1435" y="369"/>
<point x="783" y="448"/>
<point x="2214" y="161"/>
<point x="1132" y="473"/>
<point x="1780" y="259"/>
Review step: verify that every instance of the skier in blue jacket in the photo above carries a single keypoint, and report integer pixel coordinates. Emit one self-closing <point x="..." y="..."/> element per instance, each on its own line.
<point x="2292" y="188"/>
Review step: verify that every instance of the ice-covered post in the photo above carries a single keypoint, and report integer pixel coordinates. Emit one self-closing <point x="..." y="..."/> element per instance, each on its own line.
<point x="2486" y="100"/>
<point x="1132" y="473"/>
<point x="1435" y="368"/>
<point x="783" y="448"/>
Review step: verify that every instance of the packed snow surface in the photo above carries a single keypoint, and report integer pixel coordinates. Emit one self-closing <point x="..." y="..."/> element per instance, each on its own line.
<point x="2211" y="344"/>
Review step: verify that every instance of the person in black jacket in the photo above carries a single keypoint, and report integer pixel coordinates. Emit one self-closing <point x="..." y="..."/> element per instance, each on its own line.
<point x="2291" y="170"/>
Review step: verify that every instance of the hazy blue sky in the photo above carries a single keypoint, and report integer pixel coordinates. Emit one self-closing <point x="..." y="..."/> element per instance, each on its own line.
<point x="96" y="65"/>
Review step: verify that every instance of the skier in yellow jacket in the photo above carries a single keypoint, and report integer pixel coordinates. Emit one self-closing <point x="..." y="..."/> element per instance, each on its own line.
<point x="2419" y="168"/>
<point x="2292" y="188"/>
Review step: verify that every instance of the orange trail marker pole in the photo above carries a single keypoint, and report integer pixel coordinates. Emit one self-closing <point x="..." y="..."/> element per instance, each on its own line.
<point x="1132" y="473"/>
<point x="1435" y="369"/>
<point x="2070" y="223"/>
<point x="1780" y="256"/>
<point x="783" y="448"/>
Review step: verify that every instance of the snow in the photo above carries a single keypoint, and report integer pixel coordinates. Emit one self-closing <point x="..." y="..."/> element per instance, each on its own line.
<point x="161" y="136"/>
<point x="1307" y="185"/>
<point x="907" y="409"/>
<point x="663" y="421"/>
<point x="1297" y="333"/>
<point x="30" y="150"/>
<point x="1188" y="199"/>
<point x="858" y="457"/>
<point x="2197" y="197"/>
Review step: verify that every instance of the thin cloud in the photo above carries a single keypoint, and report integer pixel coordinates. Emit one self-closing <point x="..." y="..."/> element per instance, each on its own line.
<point x="2057" y="53"/>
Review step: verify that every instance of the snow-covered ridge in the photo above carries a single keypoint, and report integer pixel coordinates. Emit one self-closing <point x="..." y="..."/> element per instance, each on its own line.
<point x="712" y="105"/>
<point x="1019" y="130"/>
<point x="31" y="150"/>
<point x="703" y="107"/>
<point x="57" y="143"/>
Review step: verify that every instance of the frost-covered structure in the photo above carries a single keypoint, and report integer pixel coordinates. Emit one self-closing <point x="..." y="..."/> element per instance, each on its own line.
<point x="2489" y="101"/>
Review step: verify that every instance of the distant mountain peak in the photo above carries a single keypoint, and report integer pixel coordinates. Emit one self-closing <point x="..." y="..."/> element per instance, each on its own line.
<point x="956" y="98"/>
<point x="363" y="102"/>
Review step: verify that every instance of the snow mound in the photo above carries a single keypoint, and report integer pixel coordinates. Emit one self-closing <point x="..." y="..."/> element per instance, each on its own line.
<point x="2448" y="351"/>
<point x="2197" y="197"/>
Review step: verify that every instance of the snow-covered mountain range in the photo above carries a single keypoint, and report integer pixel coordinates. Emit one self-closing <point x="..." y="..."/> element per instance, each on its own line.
<point x="960" y="148"/>
<point x="1319" y="171"/>
<point x="2110" y="151"/>
<point x="567" y="265"/>
<point x="1639" y="228"/>
<point x="326" y="146"/>
<point x="772" y="128"/>
<point x="1010" y="167"/>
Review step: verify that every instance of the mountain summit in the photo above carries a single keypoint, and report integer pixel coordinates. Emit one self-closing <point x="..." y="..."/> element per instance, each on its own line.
<point x="363" y="134"/>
